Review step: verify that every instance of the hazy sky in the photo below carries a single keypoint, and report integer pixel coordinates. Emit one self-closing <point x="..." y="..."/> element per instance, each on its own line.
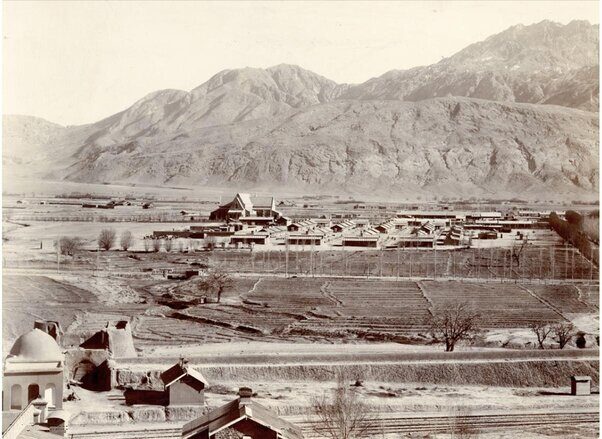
<point x="77" y="62"/>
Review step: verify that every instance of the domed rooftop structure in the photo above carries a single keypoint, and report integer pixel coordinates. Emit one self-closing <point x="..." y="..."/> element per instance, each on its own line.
<point x="35" y="347"/>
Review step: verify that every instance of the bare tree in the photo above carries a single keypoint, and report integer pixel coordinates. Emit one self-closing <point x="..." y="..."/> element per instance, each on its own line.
<point x="69" y="245"/>
<point x="146" y="242"/>
<point x="156" y="244"/>
<point x="106" y="238"/>
<point x="541" y="331"/>
<point x="460" y="426"/>
<point x="344" y="415"/>
<point x="168" y="244"/>
<point x="216" y="281"/>
<point x="454" y="323"/>
<point x="126" y="240"/>
<point x="563" y="333"/>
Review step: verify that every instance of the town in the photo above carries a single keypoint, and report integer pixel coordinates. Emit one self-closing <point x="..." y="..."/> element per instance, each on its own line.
<point x="362" y="282"/>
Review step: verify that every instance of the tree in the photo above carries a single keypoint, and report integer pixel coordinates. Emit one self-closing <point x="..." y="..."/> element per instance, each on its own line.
<point x="563" y="333"/>
<point x="216" y="281"/>
<point x="454" y="323"/>
<point x="541" y="331"/>
<point x="156" y="245"/>
<point x="168" y="244"/>
<point x="126" y="240"/>
<point x="106" y="239"/>
<point x="69" y="245"/>
<point x="146" y="242"/>
<point x="344" y="415"/>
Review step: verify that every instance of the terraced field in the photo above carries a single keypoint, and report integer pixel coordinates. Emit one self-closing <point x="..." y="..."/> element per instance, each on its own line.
<point x="165" y="331"/>
<point x="566" y="298"/>
<point x="294" y="295"/>
<point x="343" y="307"/>
<point x="272" y="308"/>
<point x="501" y="305"/>
<point x="27" y="298"/>
<point x="590" y="294"/>
<point x="244" y="319"/>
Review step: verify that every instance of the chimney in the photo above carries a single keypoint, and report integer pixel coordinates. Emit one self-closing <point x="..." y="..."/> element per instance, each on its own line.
<point x="183" y="362"/>
<point x="40" y="405"/>
<point x="245" y="394"/>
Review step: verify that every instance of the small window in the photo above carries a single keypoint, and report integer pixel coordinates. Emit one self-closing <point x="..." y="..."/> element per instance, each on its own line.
<point x="49" y="394"/>
<point x="33" y="391"/>
<point x="15" y="397"/>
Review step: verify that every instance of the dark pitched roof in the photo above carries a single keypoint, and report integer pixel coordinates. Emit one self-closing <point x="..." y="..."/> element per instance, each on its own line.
<point x="228" y="414"/>
<point x="177" y="371"/>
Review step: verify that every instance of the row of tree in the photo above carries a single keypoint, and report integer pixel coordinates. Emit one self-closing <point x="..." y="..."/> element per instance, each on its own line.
<point x="107" y="239"/>
<point x="562" y="333"/>
<point x="458" y="322"/>
<point x="571" y="230"/>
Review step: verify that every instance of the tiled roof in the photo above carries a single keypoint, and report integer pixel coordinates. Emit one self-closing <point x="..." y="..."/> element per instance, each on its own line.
<point x="228" y="414"/>
<point x="176" y="372"/>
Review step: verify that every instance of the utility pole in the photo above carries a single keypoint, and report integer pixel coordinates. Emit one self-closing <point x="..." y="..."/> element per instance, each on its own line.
<point x="346" y="263"/>
<point x="268" y="260"/>
<point x="311" y="258"/>
<point x="511" y="256"/>
<point x="435" y="259"/>
<point x="286" y="258"/>
<point x="398" y="245"/>
<point x="566" y="260"/>
<point x="572" y="263"/>
<point x="411" y="257"/>
<point x="504" y="266"/>
<point x="58" y="255"/>
<point x="552" y="261"/>
<point x="591" y="264"/>
<point x="540" y="263"/>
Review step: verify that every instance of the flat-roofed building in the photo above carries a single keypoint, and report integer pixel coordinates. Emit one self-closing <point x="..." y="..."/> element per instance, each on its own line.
<point x="415" y="241"/>
<point x="370" y="241"/>
<point x="305" y="239"/>
<point x="258" y="238"/>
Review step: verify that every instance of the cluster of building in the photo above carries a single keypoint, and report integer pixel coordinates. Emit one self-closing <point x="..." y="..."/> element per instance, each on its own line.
<point x="38" y="370"/>
<point x="248" y="221"/>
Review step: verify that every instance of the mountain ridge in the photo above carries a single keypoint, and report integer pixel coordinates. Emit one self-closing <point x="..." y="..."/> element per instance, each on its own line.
<point x="210" y="133"/>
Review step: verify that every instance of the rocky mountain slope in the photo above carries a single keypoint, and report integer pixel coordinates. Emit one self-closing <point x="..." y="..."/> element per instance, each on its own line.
<point x="454" y="128"/>
<point x="545" y="63"/>
<point x="453" y="146"/>
<point x="23" y="136"/>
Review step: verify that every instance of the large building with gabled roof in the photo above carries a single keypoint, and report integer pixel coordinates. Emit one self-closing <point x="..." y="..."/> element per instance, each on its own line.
<point x="248" y="210"/>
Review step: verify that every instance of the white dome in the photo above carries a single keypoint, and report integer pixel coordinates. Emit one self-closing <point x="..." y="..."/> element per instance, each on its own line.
<point x="35" y="346"/>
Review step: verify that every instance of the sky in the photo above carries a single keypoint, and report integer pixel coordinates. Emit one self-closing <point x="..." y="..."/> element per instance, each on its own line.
<point x="78" y="62"/>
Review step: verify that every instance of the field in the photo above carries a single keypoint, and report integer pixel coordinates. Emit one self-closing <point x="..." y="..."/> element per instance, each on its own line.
<point x="271" y="309"/>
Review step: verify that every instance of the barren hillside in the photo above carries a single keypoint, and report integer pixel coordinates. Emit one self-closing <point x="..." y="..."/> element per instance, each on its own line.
<point x="491" y="120"/>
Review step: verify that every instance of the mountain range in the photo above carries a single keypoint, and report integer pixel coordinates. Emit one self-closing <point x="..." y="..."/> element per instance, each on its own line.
<point x="515" y="114"/>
